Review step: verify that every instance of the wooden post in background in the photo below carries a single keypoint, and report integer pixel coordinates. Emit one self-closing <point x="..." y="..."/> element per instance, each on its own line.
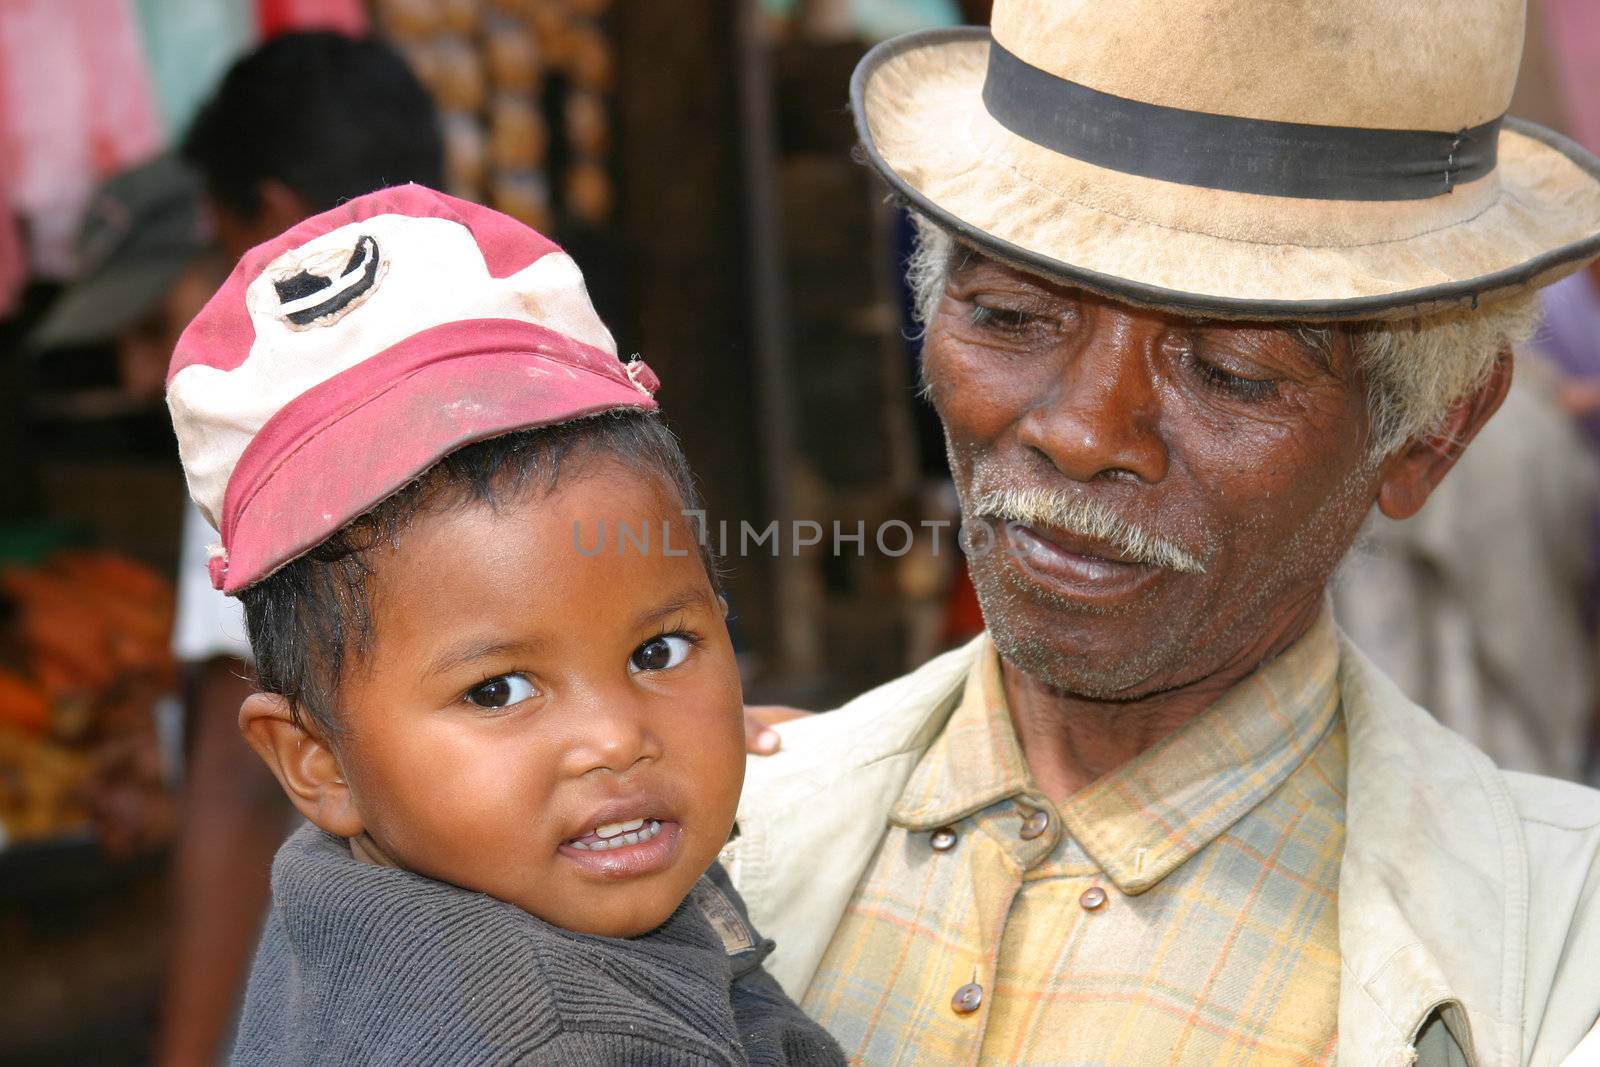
<point x="682" y="227"/>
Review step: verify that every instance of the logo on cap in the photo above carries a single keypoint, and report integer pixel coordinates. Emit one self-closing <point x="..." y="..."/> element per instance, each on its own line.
<point x="308" y="298"/>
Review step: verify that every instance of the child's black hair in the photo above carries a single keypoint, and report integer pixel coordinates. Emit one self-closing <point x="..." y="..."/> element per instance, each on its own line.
<point x="309" y="619"/>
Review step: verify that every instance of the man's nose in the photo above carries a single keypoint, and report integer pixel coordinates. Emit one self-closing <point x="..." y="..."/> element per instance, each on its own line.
<point x="613" y="734"/>
<point x="1098" y="413"/>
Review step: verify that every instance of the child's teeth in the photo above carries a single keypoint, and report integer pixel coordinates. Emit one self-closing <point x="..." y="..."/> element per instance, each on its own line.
<point x="623" y="834"/>
<point x="614" y="828"/>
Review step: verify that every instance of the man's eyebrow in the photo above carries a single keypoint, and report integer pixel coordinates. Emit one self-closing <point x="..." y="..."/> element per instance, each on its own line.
<point x="681" y="601"/>
<point x="469" y="652"/>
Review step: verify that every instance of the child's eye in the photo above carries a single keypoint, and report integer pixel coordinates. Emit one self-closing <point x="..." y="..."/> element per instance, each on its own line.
<point x="659" y="653"/>
<point x="501" y="692"/>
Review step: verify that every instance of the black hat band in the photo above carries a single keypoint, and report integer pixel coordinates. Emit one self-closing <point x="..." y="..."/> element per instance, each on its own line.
<point x="1240" y="155"/>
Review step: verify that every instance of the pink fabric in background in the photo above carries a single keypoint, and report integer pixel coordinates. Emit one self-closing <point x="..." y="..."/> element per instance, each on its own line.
<point x="78" y="108"/>
<point x="13" y="266"/>
<point x="1573" y="31"/>
<point x="13" y="258"/>
<point x="284" y="16"/>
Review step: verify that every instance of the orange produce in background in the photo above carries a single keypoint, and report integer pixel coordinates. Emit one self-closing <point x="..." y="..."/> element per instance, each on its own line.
<point x="23" y="703"/>
<point x="83" y="658"/>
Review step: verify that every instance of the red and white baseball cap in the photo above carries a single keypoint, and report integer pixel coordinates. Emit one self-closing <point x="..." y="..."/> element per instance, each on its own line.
<point x="345" y="357"/>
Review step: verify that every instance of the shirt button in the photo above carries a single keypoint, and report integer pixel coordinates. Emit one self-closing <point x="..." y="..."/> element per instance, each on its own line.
<point x="1035" y="824"/>
<point x="968" y="999"/>
<point x="1093" y="898"/>
<point x="943" y="839"/>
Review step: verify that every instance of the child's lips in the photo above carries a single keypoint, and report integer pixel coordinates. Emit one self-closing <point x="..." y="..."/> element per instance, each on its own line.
<point x="619" y="858"/>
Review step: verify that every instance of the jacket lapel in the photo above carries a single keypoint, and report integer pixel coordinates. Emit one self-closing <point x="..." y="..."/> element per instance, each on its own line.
<point x="1434" y="881"/>
<point x="811" y="817"/>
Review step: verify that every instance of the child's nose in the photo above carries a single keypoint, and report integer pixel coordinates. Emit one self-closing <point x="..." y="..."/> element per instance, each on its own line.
<point x="615" y="737"/>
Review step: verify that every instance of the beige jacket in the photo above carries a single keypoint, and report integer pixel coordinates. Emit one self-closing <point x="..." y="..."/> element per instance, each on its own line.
<point x="1465" y="891"/>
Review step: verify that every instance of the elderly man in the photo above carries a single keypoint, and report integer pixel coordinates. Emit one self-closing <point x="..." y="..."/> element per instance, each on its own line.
<point x="1204" y="282"/>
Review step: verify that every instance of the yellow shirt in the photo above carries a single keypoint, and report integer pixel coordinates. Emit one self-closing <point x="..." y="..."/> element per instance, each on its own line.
<point x="1181" y="910"/>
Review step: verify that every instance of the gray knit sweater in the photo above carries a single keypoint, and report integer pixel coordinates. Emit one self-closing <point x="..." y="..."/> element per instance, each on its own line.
<point x="368" y="965"/>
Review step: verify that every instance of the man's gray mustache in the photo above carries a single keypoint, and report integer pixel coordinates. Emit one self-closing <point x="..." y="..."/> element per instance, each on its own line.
<point x="1085" y="517"/>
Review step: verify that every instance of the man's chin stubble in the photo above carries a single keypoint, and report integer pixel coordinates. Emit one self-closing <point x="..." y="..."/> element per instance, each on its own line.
<point x="1091" y="675"/>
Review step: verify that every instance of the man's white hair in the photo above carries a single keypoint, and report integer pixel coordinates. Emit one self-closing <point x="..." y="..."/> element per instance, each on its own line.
<point x="1416" y="369"/>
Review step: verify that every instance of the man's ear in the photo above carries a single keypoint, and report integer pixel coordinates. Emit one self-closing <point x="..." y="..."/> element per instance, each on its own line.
<point x="303" y="762"/>
<point x="1410" y="475"/>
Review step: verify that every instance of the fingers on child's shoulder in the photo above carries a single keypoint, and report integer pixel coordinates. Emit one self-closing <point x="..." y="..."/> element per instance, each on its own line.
<point x="759" y="737"/>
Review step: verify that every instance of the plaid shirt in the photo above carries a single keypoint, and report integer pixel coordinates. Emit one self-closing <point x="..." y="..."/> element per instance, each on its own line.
<point x="1180" y="910"/>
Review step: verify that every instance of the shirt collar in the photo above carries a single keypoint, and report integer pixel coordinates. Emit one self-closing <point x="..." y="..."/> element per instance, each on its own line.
<point x="1143" y="820"/>
<point x="974" y="762"/>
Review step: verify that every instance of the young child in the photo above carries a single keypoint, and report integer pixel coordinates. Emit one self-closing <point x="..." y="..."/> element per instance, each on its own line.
<point x="519" y="756"/>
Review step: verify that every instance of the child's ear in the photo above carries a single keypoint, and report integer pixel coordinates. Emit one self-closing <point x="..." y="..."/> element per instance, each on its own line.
<point x="303" y="762"/>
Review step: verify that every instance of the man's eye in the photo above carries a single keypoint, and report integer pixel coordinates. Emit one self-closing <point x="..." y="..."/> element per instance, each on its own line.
<point x="1004" y="320"/>
<point x="660" y="653"/>
<point x="1236" y="384"/>
<point x="1220" y="378"/>
<point x="502" y="692"/>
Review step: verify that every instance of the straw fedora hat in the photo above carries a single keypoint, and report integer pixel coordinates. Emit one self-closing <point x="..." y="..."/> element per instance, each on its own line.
<point x="1338" y="159"/>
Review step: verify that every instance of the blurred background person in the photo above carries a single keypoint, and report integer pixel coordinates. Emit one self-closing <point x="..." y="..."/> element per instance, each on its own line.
<point x="146" y="268"/>
<point x="143" y="272"/>
<point x="1568" y="343"/>
<point x="1483" y="607"/>
<point x="1478" y="607"/>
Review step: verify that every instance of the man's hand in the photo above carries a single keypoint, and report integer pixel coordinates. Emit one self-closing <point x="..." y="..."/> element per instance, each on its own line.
<point x="759" y="719"/>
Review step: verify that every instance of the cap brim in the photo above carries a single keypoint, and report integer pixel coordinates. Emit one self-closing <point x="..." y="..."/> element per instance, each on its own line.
<point x="367" y="454"/>
<point x="98" y="308"/>
<point x="923" y="125"/>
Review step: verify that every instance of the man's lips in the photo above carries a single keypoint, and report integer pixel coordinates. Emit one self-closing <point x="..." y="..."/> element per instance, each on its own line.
<point x="1076" y="545"/>
<point x="1074" y="566"/>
